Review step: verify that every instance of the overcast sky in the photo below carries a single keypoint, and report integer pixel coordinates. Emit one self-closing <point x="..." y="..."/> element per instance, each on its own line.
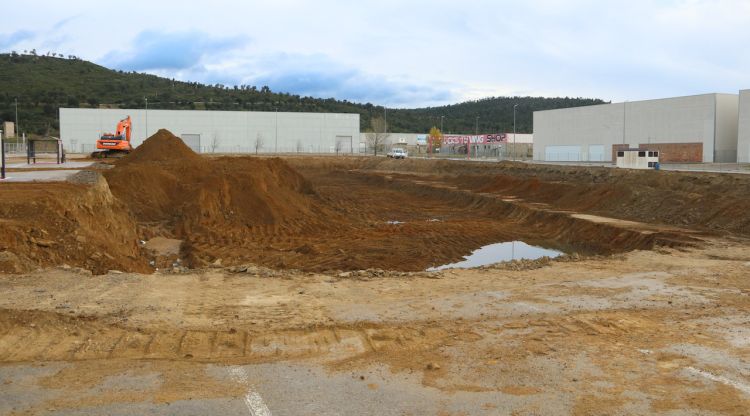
<point x="407" y="53"/>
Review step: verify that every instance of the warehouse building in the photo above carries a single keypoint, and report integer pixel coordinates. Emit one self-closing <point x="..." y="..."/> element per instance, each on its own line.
<point x="743" y="130"/>
<point x="483" y="145"/>
<point x="700" y="128"/>
<point x="218" y="131"/>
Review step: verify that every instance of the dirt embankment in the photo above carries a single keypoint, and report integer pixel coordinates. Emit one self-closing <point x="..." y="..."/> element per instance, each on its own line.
<point x="173" y="192"/>
<point x="161" y="189"/>
<point x="165" y="182"/>
<point x="706" y="201"/>
<point x="65" y="223"/>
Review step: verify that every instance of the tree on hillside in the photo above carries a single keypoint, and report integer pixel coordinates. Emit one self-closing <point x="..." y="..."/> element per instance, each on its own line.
<point x="376" y="134"/>
<point x="435" y="140"/>
<point x="90" y="84"/>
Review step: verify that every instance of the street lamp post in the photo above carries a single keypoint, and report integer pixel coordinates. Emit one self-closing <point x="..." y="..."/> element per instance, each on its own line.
<point x="146" y="98"/>
<point x="276" y="134"/>
<point x="624" y="119"/>
<point x="2" y="156"/>
<point x="476" y="133"/>
<point x="514" y="131"/>
<point x="16" y="119"/>
<point x="385" y="120"/>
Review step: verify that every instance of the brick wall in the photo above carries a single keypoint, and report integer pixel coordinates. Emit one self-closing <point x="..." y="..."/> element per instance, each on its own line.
<point x="616" y="148"/>
<point x="677" y="152"/>
<point x="669" y="152"/>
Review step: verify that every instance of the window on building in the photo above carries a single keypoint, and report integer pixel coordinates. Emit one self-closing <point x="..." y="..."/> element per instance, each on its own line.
<point x="651" y="164"/>
<point x="641" y="154"/>
<point x="620" y="154"/>
<point x="653" y="154"/>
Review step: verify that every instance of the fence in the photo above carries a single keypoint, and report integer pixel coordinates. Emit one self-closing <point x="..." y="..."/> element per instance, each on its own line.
<point x="265" y="149"/>
<point x="576" y="157"/>
<point x="271" y="149"/>
<point x="15" y="149"/>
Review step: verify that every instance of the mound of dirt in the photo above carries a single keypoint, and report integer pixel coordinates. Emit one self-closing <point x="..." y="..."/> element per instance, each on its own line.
<point x="162" y="147"/>
<point x="173" y="192"/>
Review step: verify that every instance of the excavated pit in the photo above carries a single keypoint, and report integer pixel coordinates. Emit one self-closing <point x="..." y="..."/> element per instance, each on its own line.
<point x="326" y="214"/>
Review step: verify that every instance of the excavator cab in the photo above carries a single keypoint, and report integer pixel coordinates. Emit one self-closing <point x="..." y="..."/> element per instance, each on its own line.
<point x="115" y="144"/>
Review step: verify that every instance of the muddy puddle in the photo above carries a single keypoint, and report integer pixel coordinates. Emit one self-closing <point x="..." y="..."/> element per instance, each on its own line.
<point x="499" y="252"/>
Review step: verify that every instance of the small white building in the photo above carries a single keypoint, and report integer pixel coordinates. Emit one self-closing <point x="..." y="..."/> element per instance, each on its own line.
<point x="637" y="158"/>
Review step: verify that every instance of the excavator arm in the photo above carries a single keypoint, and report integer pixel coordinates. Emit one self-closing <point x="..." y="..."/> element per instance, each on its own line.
<point x="124" y="127"/>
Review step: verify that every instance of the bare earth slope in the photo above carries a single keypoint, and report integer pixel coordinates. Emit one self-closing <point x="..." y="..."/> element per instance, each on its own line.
<point x="322" y="214"/>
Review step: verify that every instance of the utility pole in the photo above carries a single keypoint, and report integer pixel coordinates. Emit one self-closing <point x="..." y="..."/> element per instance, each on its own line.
<point x="276" y="134"/>
<point x="624" y="119"/>
<point x="441" y="123"/>
<point x="514" y="131"/>
<point x="146" y="98"/>
<point x="385" y="110"/>
<point x="2" y="156"/>
<point x="16" y="118"/>
<point x="476" y="133"/>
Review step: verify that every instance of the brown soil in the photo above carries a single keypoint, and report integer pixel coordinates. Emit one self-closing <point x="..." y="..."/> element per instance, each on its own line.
<point x="165" y="182"/>
<point x="321" y="214"/>
<point x="66" y="223"/>
<point x="708" y="201"/>
<point x="621" y="335"/>
<point x="659" y="328"/>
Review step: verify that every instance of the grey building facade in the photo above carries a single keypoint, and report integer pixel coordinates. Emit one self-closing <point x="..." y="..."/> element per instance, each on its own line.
<point x="219" y="131"/>
<point x="743" y="127"/>
<point x="700" y="128"/>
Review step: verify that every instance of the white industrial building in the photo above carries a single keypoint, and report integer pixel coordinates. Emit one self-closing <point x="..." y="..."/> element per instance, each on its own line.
<point x="743" y="129"/>
<point x="219" y="131"/>
<point x="700" y="128"/>
<point x="414" y="139"/>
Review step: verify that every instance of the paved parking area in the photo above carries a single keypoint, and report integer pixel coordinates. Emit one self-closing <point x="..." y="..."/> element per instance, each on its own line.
<point x="49" y="165"/>
<point x="39" y="176"/>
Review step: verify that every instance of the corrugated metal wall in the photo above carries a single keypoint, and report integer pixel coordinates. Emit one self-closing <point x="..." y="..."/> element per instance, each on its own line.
<point x="709" y="120"/>
<point x="218" y="131"/>
<point x="743" y="145"/>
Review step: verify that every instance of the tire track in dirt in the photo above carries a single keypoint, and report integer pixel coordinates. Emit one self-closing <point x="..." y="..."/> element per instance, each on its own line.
<point x="46" y="336"/>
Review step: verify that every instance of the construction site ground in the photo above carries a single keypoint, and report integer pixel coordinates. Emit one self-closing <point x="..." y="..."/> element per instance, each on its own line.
<point x="151" y="288"/>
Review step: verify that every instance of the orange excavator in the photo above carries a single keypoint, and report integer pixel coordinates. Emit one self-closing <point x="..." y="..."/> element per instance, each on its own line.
<point x="117" y="144"/>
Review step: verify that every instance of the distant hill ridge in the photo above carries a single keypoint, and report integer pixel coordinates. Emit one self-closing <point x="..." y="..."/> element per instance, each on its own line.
<point x="42" y="84"/>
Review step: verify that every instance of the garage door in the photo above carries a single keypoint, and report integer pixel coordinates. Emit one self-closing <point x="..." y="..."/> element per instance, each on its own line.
<point x="193" y="141"/>
<point x="344" y="144"/>
<point x="562" y="153"/>
<point x="596" y="153"/>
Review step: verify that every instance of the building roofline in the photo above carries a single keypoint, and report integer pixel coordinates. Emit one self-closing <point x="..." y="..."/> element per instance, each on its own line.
<point x="714" y="94"/>
<point x="205" y="111"/>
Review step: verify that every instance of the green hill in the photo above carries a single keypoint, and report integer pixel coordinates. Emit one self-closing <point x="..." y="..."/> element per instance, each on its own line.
<point x="42" y="84"/>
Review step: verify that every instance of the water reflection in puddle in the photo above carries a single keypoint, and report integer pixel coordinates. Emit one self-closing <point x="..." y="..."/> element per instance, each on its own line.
<point x="498" y="252"/>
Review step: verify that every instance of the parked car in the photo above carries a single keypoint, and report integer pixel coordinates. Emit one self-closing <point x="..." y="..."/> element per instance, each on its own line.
<point x="398" y="153"/>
